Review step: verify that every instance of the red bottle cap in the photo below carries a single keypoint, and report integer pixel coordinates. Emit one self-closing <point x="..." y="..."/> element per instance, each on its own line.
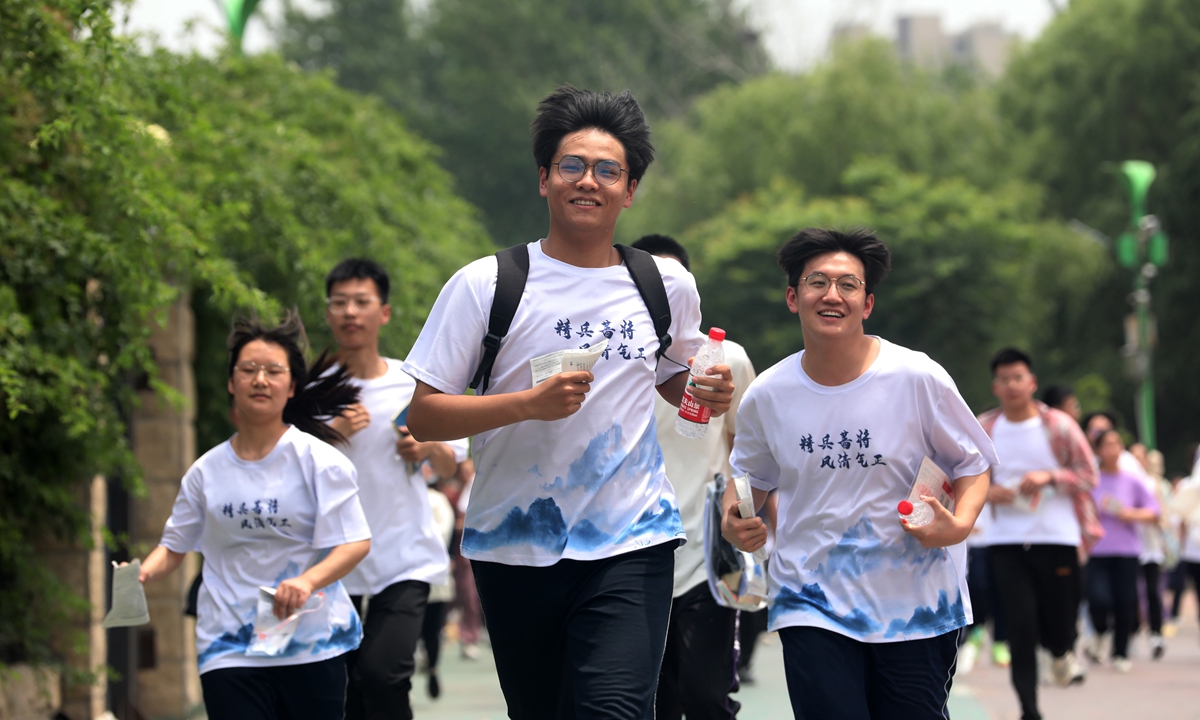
<point x="716" y="334"/>
<point x="905" y="507"/>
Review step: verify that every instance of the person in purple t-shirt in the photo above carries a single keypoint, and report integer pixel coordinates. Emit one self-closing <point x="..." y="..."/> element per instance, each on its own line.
<point x="1123" y="501"/>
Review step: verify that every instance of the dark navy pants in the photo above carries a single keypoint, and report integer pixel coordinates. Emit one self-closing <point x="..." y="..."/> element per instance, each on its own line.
<point x="579" y="640"/>
<point x="309" y="691"/>
<point x="833" y="677"/>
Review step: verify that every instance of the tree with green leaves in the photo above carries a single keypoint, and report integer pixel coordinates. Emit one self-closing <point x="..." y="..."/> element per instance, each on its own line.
<point x="973" y="271"/>
<point x="808" y="128"/>
<point x="127" y="179"/>
<point x="468" y="75"/>
<point x="1110" y="81"/>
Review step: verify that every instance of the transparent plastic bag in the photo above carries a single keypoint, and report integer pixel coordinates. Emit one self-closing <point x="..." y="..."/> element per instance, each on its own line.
<point x="128" y="597"/>
<point x="272" y="635"/>
<point x="736" y="579"/>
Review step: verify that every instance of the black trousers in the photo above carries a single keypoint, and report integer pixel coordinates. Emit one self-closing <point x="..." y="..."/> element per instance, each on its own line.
<point x="381" y="669"/>
<point x="1039" y="590"/>
<point x="310" y="691"/>
<point x="750" y="626"/>
<point x="985" y="593"/>
<point x="834" y="677"/>
<point x="699" y="668"/>
<point x="1151" y="575"/>
<point x="1112" y="593"/>
<point x="579" y="640"/>
<point x="1179" y="577"/>
<point x="431" y="632"/>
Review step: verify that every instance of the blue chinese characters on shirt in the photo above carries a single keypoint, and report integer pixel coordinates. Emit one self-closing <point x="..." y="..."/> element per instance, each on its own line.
<point x="842" y="561"/>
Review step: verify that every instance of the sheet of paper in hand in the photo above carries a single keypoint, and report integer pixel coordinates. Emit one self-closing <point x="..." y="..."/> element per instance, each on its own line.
<point x="128" y="597"/>
<point x="551" y="364"/>
<point x="931" y="481"/>
<point x="272" y="635"/>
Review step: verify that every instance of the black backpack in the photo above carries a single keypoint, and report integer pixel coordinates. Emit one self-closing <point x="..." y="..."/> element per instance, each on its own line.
<point x="512" y="270"/>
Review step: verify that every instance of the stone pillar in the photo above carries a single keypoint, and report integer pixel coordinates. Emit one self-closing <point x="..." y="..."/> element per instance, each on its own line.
<point x="164" y="441"/>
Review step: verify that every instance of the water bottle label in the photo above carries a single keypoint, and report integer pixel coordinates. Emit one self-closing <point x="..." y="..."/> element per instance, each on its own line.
<point x="693" y="411"/>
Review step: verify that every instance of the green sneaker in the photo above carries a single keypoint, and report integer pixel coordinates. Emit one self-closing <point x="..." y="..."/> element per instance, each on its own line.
<point x="1000" y="654"/>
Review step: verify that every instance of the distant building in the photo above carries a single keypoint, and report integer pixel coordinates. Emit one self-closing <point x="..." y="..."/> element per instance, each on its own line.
<point x="921" y="41"/>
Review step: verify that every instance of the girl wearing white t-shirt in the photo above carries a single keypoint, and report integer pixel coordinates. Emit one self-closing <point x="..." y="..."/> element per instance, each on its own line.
<point x="275" y="506"/>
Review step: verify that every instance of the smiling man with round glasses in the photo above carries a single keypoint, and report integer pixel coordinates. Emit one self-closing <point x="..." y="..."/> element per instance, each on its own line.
<point x="868" y="608"/>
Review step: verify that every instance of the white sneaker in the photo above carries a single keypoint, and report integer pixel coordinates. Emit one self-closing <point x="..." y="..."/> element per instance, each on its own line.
<point x="1096" y="649"/>
<point x="1067" y="670"/>
<point x="1157" y="648"/>
<point x="470" y="651"/>
<point x="1122" y="665"/>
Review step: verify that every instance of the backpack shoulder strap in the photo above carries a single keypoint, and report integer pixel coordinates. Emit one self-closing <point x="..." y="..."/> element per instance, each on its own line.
<point x="512" y="270"/>
<point x="649" y="283"/>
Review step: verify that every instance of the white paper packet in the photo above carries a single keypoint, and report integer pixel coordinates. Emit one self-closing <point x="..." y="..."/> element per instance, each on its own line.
<point x="547" y="366"/>
<point x="272" y="635"/>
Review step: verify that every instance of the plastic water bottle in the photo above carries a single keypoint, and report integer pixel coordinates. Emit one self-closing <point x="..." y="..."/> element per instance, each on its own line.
<point x="693" y="417"/>
<point x="918" y="514"/>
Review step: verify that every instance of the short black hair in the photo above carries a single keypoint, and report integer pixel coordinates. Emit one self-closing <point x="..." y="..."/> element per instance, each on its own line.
<point x="1057" y="394"/>
<point x="664" y="245"/>
<point x="569" y="109"/>
<point x="359" y="269"/>
<point x="1008" y="356"/>
<point x="859" y="242"/>
<point x="1112" y="419"/>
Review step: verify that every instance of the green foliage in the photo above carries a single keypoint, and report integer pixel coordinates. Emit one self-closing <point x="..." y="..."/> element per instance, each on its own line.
<point x="468" y="74"/>
<point x="291" y="174"/>
<point x="92" y="251"/>
<point x="126" y="180"/>
<point x="809" y="128"/>
<point x="1109" y="81"/>
<point x="972" y="271"/>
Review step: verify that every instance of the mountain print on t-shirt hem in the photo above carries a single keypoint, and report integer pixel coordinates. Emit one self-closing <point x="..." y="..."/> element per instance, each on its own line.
<point x="604" y="465"/>
<point x="925" y="621"/>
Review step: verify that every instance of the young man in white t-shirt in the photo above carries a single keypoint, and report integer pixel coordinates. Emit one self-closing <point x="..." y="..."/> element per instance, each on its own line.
<point x="572" y="523"/>
<point x="1043" y="481"/>
<point x="700" y="668"/>
<point x="868" y="608"/>
<point x="407" y="556"/>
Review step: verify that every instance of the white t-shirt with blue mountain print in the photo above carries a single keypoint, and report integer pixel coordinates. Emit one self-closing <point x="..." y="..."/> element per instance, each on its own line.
<point x="259" y="523"/>
<point x="589" y="486"/>
<point x="842" y="459"/>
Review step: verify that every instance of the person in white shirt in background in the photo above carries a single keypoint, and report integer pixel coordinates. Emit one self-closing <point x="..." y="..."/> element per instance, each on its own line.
<point x="868" y="608"/>
<point x="274" y="506"/>
<point x="440" y="594"/>
<point x="390" y="586"/>
<point x="699" y="669"/>
<point x="1044" y="521"/>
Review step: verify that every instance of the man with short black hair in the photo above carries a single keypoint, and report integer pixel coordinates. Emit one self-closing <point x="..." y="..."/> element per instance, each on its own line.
<point x="572" y="524"/>
<point x="391" y="585"/>
<point x="868" y="607"/>
<point x="1043" y="512"/>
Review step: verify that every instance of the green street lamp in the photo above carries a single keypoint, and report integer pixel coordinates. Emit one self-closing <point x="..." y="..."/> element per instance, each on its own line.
<point x="237" y="12"/>
<point x="1143" y="249"/>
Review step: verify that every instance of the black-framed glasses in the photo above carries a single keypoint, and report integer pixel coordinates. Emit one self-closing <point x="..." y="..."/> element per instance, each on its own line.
<point x="572" y="169"/>
<point x="848" y="286"/>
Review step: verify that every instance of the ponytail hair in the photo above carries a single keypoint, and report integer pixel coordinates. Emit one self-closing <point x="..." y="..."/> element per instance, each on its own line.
<point x="314" y="402"/>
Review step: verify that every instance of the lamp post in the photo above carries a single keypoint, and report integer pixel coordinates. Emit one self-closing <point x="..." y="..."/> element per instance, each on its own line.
<point x="237" y="12"/>
<point x="1143" y="249"/>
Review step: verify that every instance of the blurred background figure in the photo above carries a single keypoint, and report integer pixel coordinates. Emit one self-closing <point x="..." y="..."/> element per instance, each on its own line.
<point x="470" y="612"/>
<point x="440" y="594"/>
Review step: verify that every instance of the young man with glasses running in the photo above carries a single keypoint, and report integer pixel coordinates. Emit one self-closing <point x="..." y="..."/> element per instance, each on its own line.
<point x="868" y="607"/>
<point x="572" y="525"/>
<point x="390" y="587"/>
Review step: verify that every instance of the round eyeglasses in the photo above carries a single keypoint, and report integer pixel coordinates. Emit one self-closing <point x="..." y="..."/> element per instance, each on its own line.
<point x="572" y="169"/>
<point x="848" y="286"/>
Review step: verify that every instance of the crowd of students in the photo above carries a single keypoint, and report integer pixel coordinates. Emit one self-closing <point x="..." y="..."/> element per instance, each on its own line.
<point x="577" y="524"/>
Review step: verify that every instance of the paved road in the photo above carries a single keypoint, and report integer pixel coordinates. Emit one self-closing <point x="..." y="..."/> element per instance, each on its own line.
<point x="1165" y="690"/>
